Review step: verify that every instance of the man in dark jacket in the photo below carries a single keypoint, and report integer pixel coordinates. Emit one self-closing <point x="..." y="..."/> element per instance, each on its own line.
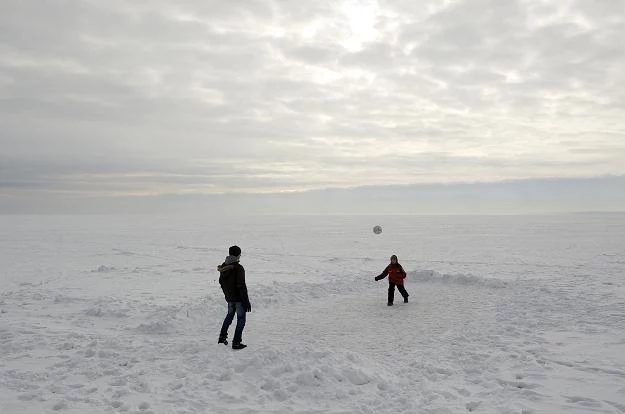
<point x="232" y="281"/>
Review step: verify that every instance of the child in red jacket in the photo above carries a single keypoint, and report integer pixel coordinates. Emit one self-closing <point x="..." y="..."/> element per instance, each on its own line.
<point x="396" y="276"/>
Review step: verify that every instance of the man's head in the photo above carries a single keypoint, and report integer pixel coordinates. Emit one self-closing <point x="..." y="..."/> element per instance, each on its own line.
<point x="234" y="251"/>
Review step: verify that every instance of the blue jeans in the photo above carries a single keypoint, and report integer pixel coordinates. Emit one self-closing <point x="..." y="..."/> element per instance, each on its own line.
<point x="239" y="309"/>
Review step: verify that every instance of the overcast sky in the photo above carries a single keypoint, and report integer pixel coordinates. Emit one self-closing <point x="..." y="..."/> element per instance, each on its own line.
<point x="156" y="98"/>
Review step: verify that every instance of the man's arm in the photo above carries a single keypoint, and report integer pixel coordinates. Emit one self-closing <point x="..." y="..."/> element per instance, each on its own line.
<point x="243" y="288"/>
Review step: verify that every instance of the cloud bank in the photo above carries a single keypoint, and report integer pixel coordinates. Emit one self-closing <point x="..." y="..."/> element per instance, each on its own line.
<point x="154" y="98"/>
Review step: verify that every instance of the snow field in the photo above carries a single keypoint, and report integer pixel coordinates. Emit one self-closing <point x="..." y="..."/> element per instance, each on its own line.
<point x="461" y="344"/>
<point x="109" y="324"/>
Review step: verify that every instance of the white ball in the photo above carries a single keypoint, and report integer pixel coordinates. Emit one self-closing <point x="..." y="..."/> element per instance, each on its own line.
<point x="377" y="229"/>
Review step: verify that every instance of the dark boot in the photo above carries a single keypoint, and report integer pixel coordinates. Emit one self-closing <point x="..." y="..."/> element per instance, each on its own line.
<point x="389" y="304"/>
<point x="222" y="340"/>
<point x="240" y="345"/>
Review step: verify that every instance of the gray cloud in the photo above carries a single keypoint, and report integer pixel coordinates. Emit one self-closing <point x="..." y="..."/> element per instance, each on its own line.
<point x="206" y="96"/>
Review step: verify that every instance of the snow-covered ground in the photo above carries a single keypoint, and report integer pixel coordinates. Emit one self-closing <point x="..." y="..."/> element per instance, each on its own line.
<point x="522" y="314"/>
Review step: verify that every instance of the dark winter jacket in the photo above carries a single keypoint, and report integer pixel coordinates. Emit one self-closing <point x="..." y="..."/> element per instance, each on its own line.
<point x="395" y="274"/>
<point x="232" y="281"/>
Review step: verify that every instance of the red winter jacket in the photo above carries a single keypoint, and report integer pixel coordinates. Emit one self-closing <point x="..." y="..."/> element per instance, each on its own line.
<point x="395" y="274"/>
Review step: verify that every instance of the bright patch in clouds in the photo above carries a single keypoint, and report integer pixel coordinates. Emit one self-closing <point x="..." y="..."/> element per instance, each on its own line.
<point x="361" y="16"/>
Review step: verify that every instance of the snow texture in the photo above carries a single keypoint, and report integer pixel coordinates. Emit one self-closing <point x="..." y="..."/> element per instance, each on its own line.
<point x="121" y="315"/>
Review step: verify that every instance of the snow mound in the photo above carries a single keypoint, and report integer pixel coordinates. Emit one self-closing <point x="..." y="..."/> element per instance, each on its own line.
<point x="461" y="279"/>
<point x="301" y="377"/>
<point x="104" y="269"/>
<point x="101" y="311"/>
<point x="164" y="320"/>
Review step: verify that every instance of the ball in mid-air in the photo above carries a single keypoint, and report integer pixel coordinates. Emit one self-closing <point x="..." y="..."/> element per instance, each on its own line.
<point x="377" y="229"/>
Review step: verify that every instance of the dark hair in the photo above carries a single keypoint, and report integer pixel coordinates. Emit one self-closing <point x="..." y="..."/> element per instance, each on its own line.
<point x="234" y="251"/>
<point x="396" y="262"/>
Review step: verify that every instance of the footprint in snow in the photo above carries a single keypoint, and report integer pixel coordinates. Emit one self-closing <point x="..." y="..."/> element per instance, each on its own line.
<point x="176" y="386"/>
<point x="27" y="397"/>
<point x="118" y="382"/>
<point x="116" y="404"/>
<point x="586" y="402"/>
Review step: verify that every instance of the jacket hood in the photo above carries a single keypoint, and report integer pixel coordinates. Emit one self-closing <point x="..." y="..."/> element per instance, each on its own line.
<point x="231" y="259"/>
<point x="228" y="264"/>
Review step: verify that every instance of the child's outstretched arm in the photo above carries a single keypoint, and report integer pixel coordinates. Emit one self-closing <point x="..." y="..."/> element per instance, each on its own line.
<point x="382" y="275"/>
